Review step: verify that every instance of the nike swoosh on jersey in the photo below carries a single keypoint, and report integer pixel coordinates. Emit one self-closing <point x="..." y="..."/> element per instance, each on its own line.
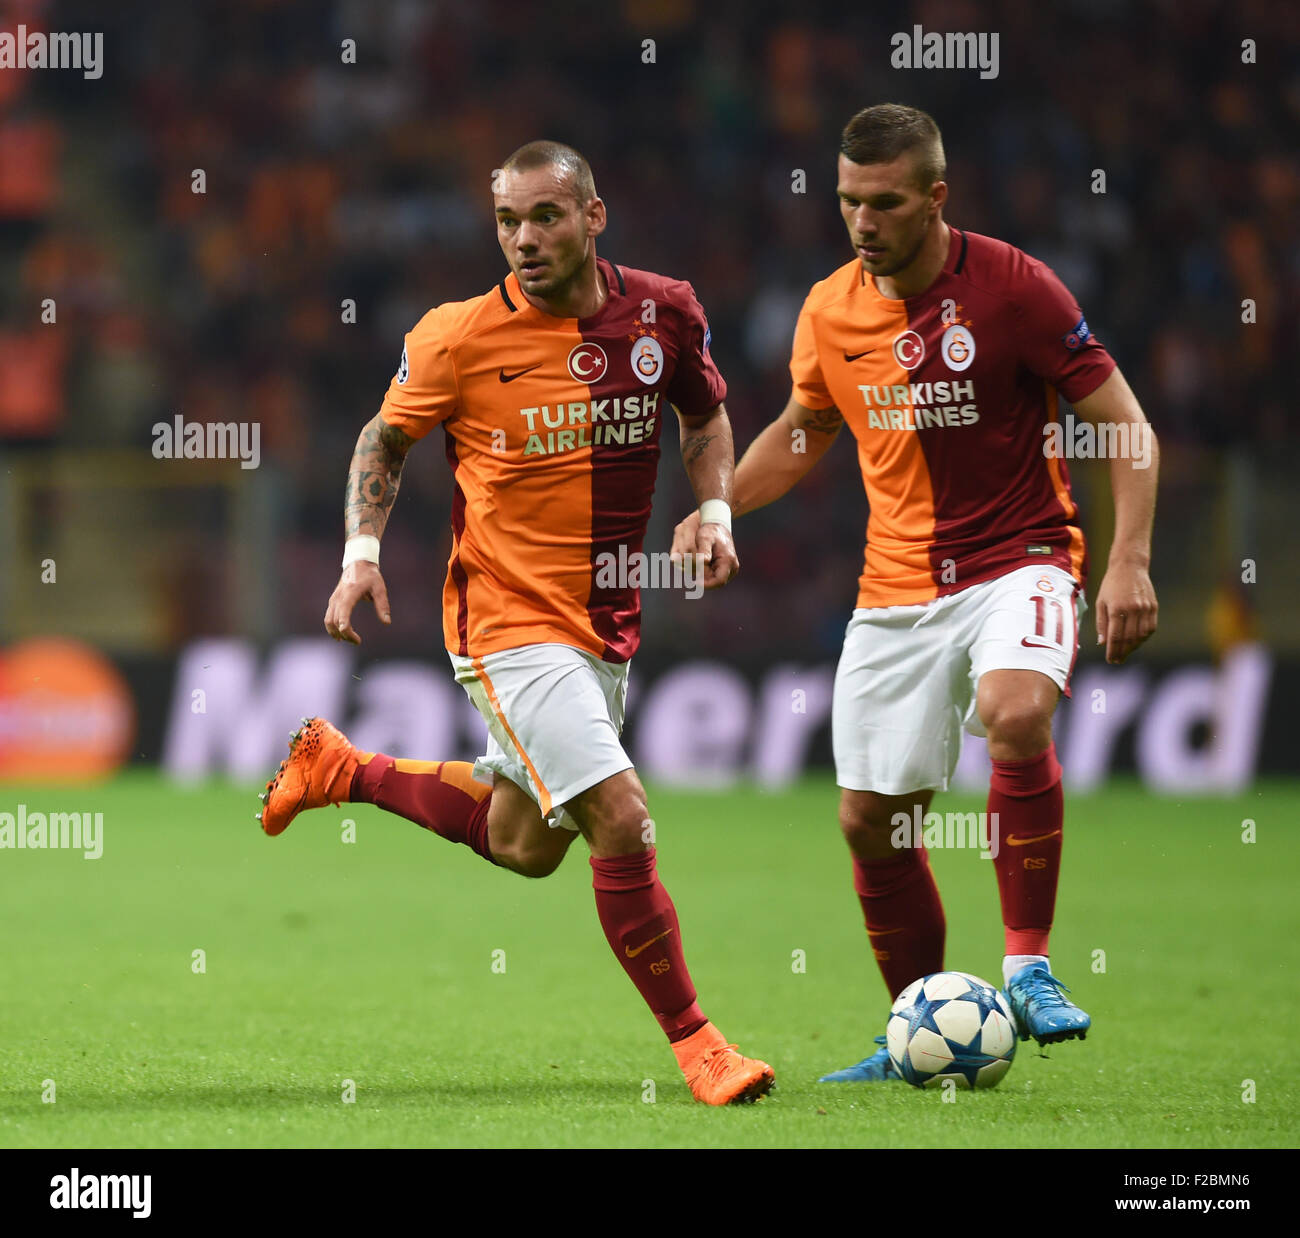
<point x="1038" y="644"/>
<point x="1037" y="838"/>
<point x="631" y="953"/>
<point x="509" y="378"/>
<point x="856" y="355"/>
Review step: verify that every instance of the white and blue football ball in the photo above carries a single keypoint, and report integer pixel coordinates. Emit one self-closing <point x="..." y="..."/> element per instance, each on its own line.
<point x="951" y="1025"/>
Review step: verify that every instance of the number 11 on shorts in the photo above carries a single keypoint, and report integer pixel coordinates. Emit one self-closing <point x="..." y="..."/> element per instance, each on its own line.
<point x="1040" y="620"/>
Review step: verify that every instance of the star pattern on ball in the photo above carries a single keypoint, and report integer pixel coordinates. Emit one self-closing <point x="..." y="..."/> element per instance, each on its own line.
<point x="937" y="1031"/>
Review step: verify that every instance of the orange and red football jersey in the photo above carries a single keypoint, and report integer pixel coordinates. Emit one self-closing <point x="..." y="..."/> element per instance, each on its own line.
<point x="552" y="431"/>
<point x="948" y="393"/>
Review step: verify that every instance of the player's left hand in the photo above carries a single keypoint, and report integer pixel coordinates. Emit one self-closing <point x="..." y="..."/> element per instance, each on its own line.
<point x="1126" y="610"/>
<point x="715" y="555"/>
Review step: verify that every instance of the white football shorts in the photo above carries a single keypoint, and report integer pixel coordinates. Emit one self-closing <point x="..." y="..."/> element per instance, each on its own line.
<point x="554" y="715"/>
<point x="906" y="681"/>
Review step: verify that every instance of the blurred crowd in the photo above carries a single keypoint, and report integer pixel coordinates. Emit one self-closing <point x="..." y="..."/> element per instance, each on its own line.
<point x="343" y="195"/>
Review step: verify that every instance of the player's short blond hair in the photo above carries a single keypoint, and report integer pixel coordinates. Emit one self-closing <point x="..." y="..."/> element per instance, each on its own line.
<point x="543" y="154"/>
<point x="882" y="133"/>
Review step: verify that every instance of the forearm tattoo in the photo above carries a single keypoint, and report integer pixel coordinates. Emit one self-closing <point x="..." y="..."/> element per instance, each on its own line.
<point x="373" y="478"/>
<point x="694" y="446"/>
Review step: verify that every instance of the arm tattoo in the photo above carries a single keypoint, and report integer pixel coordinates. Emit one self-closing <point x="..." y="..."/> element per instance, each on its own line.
<point x="823" y="420"/>
<point x="695" y="446"/>
<point x="373" y="477"/>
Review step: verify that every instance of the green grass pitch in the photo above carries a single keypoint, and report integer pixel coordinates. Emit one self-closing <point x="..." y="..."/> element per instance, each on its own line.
<point x="373" y="962"/>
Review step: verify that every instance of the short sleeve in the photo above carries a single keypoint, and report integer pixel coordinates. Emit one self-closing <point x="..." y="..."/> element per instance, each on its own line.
<point x="809" y="388"/>
<point x="697" y="386"/>
<point x="422" y="393"/>
<point x="1056" y="342"/>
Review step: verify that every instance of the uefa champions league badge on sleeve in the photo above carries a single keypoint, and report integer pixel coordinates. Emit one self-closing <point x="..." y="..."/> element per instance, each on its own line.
<point x="1077" y="336"/>
<point x="404" y="367"/>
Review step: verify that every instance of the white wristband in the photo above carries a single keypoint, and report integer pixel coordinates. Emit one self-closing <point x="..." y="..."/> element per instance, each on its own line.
<point x="362" y="548"/>
<point x="715" y="511"/>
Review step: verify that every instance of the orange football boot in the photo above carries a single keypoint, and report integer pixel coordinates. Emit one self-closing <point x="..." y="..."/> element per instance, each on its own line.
<point x="717" y="1074"/>
<point x="317" y="771"/>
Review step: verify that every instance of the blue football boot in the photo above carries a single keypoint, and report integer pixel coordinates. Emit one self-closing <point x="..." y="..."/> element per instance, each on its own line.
<point x="1035" y="997"/>
<point x="874" y="1069"/>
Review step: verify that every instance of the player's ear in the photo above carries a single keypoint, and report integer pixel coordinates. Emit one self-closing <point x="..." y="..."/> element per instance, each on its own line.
<point x="938" y="194"/>
<point x="595" y="214"/>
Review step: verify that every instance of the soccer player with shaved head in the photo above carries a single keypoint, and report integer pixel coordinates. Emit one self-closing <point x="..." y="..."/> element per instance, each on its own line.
<point x="551" y="389"/>
<point x="947" y="355"/>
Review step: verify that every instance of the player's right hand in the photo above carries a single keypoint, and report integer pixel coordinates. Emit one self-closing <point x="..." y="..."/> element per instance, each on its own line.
<point x="359" y="580"/>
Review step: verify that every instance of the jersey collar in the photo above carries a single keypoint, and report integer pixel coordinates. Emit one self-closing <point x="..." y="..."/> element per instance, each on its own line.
<point x="952" y="265"/>
<point x="513" y="295"/>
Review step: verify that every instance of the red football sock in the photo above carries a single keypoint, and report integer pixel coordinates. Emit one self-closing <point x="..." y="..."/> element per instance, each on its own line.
<point x="1030" y="814"/>
<point x="904" y="916"/>
<point x="441" y="796"/>
<point x="640" y="925"/>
